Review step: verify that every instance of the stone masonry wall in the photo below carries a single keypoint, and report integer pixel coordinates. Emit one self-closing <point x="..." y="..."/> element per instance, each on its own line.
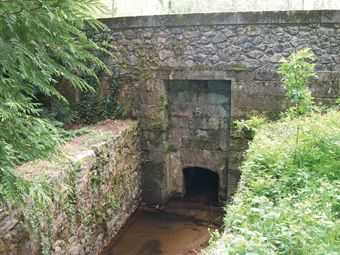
<point x="244" y="48"/>
<point x="198" y="117"/>
<point x="104" y="190"/>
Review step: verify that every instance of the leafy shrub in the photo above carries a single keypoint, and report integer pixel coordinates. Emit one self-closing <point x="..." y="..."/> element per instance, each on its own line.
<point x="288" y="199"/>
<point x="285" y="205"/>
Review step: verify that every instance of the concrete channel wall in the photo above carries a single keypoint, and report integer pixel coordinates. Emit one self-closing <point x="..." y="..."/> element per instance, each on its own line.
<point x="104" y="185"/>
<point x="154" y="53"/>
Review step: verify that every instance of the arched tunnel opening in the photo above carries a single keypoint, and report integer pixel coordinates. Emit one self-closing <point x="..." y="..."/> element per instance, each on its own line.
<point x="200" y="186"/>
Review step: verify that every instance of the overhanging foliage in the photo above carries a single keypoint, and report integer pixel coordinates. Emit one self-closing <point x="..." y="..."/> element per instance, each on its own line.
<point x="40" y="41"/>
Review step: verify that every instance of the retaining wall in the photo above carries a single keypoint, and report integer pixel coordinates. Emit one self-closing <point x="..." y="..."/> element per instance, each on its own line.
<point x="104" y="185"/>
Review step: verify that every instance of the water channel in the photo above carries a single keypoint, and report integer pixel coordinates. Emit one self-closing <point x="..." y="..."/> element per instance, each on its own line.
<point x="182" y="227"/>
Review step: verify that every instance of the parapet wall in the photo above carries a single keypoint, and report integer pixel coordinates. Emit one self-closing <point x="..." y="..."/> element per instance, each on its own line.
<point x="243" y="48"/>
<point x="103" y="191"/>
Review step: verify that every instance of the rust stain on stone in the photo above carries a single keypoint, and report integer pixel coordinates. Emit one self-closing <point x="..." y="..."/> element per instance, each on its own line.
<point x="184" y="113"/>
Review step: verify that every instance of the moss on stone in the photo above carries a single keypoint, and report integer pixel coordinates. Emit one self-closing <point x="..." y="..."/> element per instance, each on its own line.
<point x="238" y="67"/>
<point x="154" y="68"/>
<point x="155" y="124"/>
<point x="171" y="148"/>
<point x="203" y="138"/>
<point x="177" y="47"/>
<point x="178" y="19"/>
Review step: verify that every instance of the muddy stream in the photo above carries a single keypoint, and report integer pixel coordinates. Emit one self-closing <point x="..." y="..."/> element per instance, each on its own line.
<point x="179" y="228"/>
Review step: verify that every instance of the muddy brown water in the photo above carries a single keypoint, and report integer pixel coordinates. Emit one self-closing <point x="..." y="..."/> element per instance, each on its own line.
<point x="181" y="228"/>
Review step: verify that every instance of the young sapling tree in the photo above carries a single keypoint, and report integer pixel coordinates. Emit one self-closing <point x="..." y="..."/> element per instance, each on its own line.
<point x="295" y="73"/>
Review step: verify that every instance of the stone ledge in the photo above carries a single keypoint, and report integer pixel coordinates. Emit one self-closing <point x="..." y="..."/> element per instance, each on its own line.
<point x="225" y="18"/>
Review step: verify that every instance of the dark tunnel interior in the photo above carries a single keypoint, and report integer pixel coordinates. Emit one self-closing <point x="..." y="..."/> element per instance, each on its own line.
<point x="201" y="186"/>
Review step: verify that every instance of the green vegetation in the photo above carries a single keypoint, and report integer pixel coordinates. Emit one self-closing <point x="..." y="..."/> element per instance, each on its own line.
<point x="285" y="205"/>
<point x="41" y="43"/>
<point x="237" y="67"/>
<point x="287" y="200"/>
<point x="295" y="72"/>
<point x="91" y="109"/>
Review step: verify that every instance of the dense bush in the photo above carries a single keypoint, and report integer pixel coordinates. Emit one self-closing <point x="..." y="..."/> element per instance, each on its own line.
<point x="288" y="199"/>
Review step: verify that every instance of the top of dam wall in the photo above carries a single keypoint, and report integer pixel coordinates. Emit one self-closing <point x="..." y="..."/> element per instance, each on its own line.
<point x="226" y="18"/>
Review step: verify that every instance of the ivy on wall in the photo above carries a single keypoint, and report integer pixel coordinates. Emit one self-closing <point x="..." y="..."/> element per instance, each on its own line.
<point x="92" y="108"/>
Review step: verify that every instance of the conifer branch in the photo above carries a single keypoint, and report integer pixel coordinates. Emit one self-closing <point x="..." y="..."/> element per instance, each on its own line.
<point x="16" y="36"/>
<point x="33" y="30"/>
<point x="35" y="8"/>
<point x="37" y="13"/>
<point x="1" y="166"/>
<point x="12" y="140"/>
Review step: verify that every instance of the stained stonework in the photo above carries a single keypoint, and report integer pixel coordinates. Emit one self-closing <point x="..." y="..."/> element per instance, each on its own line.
<point x="198" y="115"/>
<point x="104" y="183"/>
<point x="243" y="48"/>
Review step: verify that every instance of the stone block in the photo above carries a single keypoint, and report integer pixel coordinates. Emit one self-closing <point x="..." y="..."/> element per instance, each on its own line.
<point x="213" y="110"/>
<point x="213" y="123"/>
<point x="263" y="75"/>
<point x="156" y="157"/>
<point x="192" y="158"/>
<point x="180" y="122"/>
<point x="155" y="197"/>
<point x="175" y="142"/>
<point x="182" y="132"/>
<point x="177" y="97"/>
<point x="231" y="190"/>
<point x="172" y="133"/>
<point x="151" y="136"/>
<point x="202" y="133"/>
<point x="198" y="122"/>
<point x="219" y="38"/>
<point x="200" y="143"/>
<point x="233" y="177"/>
<point x="86" y="159"/>
<point x="253" y="31"/>
<point x="223" y="145"/>
<point x="213" y="134"/>
<point x="224" y="123"/>
<point x="153" y="146"/>
<point x="215" y="160"/>
<point x="223" y="112"/>
<point x="148" y="98"/>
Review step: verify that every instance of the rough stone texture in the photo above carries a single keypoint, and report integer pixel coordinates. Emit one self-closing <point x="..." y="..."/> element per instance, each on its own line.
<point x="243" y="48"/>
<point x="198" y="116"/>
<point x="106" y="182"/>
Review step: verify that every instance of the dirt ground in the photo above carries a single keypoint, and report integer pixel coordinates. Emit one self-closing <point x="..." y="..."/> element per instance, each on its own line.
<point x="112" y="126"/>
